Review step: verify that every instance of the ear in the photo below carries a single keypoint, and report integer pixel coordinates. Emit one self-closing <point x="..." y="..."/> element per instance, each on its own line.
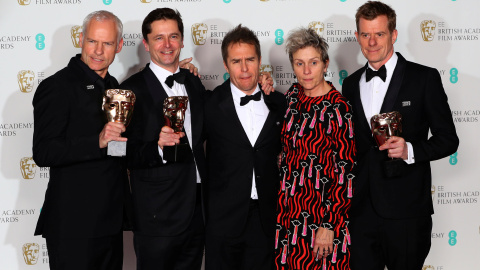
<point x="145" y="44"/>
<point x="80" y="40"/>
<point x="225" y="66"/>
<point x="356" y="36"/>
<point x="326" y="66"/>
<point x="120" y="45"/>
<point x="394" y="36"/>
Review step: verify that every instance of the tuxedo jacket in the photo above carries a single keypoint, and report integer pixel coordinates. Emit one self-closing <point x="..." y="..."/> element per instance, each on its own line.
<point x="164" y="194"/>
<point x="416" y="92"/>
<point x="231" y="160"/>
<point x="85" y="193"/>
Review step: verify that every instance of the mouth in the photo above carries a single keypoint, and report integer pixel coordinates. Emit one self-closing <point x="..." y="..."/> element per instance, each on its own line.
<point x="96" y="59"/>
<point x="167" y="52"/>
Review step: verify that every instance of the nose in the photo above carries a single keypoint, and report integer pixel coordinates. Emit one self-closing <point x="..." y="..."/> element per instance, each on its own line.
<point x="244" y="66"/>
<point x="307" y="70"/>
<point x="98" y="48"/>
<point x="167" y="43"/>
<point x="372" y="41"/>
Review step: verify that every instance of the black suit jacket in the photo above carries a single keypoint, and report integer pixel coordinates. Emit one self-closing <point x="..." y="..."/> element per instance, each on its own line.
<point x="163" y="194"/>
<point x="415" y="91"/>
<point x="231" y="160"/>
<point x="85" y="194"/>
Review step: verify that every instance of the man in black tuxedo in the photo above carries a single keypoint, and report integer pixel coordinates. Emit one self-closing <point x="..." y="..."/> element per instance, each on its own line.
<point x="168" y="219"/>
<point x="242" y="128"/>
<point x="391" y="216"/>
<point x="83" y="211"/>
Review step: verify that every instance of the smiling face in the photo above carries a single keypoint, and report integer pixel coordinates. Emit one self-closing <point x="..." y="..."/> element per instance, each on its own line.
<point x="309" y="69"/>
<point x="99" y="45"/>
<point x="243" y="65"/>
<point x="376" y="41"/>
<point x="164" y="43"/>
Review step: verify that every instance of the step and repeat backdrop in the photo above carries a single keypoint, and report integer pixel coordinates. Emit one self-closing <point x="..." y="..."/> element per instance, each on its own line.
<point x="38" y="37"/>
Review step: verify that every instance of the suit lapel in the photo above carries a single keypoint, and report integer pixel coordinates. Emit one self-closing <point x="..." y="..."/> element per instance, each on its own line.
<point x="196" y="113"/>
<point x="157" y="93"/>
<point x="270" y="122"/>
<point x="364" y="122"/>
<point x="395" y="84"/>
<point x="228" y="107"/>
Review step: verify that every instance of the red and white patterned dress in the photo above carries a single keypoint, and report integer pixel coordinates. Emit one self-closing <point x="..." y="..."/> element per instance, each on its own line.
<point x="316" y="179"/>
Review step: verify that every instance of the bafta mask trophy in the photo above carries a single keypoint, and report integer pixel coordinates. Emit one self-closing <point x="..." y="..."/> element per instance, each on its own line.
<point x="118" y="107"/>
<point x="384" y="126"/>
<point x="174" y="113"/>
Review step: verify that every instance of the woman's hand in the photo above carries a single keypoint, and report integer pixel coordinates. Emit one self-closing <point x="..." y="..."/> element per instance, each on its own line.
<point x="323" y="243"/>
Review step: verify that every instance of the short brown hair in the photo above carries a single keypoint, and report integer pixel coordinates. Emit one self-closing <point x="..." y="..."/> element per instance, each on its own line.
<point x="240" y="34"/>
<point x="161" y="14"/>
<point x="372" y="9"/>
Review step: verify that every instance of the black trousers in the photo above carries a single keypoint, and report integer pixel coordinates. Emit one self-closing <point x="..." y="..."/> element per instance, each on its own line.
<point x="252" y="250"/>
<point x="399" y="244"/>
<point x="180" y="252"/>
<point x="103" y="253"/>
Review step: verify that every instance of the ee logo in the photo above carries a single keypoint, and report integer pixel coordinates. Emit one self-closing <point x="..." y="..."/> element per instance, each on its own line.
<point x="453" y="158"/>
<point x="343" y="74"/>
<point x="279" y="36"/>
<point x="40" y="38"/>
<point x="452" y="238"/>
<point x="453" y="75"/>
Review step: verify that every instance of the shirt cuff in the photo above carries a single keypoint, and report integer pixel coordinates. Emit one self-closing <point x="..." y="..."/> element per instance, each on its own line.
<point x="411" y="158"/>
<point x="160" y="152"/>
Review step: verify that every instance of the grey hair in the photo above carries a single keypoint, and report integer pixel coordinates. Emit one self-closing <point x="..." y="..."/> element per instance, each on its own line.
<point x="103" y="15"/>
<point x="303" y="37"/>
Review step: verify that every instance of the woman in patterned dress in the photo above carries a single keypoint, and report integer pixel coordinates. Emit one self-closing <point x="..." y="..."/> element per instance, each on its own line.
<point x="316" y="164"/>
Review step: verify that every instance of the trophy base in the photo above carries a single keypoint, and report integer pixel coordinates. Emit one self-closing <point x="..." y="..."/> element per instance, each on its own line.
<point x="117" y="149"/>
<point x="176" y="153"/>
<point x="393" y="168"/>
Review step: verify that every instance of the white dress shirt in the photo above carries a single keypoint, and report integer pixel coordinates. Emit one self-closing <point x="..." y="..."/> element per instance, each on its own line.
<point x="252" y="116"/>
<point x="176" y="90"/>
<point x="372" y="94"/>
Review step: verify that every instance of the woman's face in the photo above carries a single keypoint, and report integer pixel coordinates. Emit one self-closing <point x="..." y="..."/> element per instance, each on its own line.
<point x="309" y="68"/>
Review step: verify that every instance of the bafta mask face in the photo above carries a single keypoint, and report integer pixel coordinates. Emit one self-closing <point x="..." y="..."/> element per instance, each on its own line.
<point x="28" y="167"/>
<point x="199" y="33"/>
<point x="31" y="252"/>
<point x="25" y="80"/>
<point x="75" y="35"/>
<point x="386" y="125"/>
<point x="428" y="30"/>
<point x="267" y="68"/>
<point x="118" y="105"/>
<point x="174" y="112"/>
<point x="318" y="27"/>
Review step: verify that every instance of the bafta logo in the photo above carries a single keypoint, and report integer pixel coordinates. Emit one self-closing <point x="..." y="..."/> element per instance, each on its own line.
<point x="428" y="267"/>
<point x="427" y="28"/>
<point x="31" y="251"/>
<point x="28" y="168"/>
<point x="25" y="80"/>
<point x="24" y="2"/>
<point x="145" y="1"/>
<point x="75" y="35"/>
<point x="318" y="27"/>
<point x="267" y="68"/>
<point x="199" y="33"/>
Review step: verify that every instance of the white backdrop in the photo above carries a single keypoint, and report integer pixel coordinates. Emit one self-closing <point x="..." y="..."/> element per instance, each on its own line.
<point x="36" y="41"/>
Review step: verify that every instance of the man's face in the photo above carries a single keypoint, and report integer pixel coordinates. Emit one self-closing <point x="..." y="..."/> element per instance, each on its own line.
<point x="118" y="107"/>
<point x="376" y="41"/>
<point x="99" y="45"/>
<point x="26" y="81"/>
<point x="243" y="65"/>
<point x="386" y="125"/>
<point x="164" y="44"/>
<point x="200" y="34"/>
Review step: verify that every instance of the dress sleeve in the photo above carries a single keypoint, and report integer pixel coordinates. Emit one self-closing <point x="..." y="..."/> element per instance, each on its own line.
<point x="340" y="190"/>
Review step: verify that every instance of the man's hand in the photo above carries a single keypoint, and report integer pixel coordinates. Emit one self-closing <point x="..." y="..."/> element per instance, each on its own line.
<point x="186" y="63"/>
<point x="266" y="81"/>
<point x="397" y="147"/>
<point x="323" y="243"/>
<point x="112" y="131"/>
<point x="168" y="137"/>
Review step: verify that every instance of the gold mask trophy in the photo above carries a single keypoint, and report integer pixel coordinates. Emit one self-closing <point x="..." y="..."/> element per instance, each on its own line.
<point x="384" y="126"/>
<point x="118" y="107"/>
<point x="174" y="109"/>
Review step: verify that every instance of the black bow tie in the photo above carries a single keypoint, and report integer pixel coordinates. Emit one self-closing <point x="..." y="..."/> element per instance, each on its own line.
<point x="178" y="77"/>
<point x="382" y="73"/>
<point x="244" y="100"/>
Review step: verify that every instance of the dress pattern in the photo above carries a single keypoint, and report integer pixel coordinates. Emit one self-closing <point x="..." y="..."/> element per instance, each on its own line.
<point x="316" y="179"/>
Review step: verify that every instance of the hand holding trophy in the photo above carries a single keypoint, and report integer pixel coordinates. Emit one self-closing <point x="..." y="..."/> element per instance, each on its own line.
<point x="118" y="107"/>
<point x="174" y="109"/>
<point x="384" y="126"/>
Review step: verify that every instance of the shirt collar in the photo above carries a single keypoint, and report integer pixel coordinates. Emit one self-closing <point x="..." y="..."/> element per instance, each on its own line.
<point x="390" y="65"/>
<point x="237" y="93"/>
<point x="160" y="72"/>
